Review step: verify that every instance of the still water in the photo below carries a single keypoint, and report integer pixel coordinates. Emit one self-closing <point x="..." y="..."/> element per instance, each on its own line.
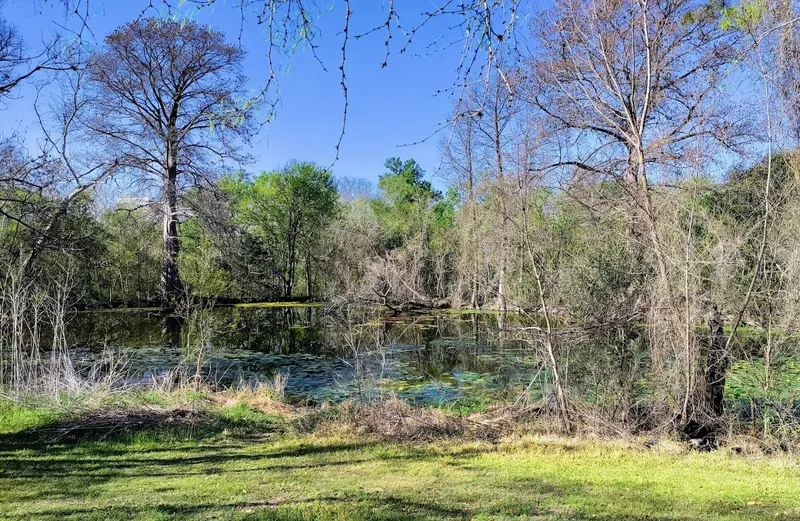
<point x="327" y="353"/>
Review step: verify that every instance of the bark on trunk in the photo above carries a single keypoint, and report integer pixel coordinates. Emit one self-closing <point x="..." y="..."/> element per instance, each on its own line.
<point x="473" y="300"/>
<point x="288" y="284"/>
<point x="717" y="363"/>
<point x="502" y="302"/>
<point x="309" y="285"/>
<point x="634" y="211"/>
<point x="291" y="261"/>
<point x="171" y="286"/>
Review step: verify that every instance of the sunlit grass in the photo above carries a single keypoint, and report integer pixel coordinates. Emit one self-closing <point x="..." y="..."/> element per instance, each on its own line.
<point x="227" y="473"/>
<point x="277" y="305"/>
<point x="15" y="418"/>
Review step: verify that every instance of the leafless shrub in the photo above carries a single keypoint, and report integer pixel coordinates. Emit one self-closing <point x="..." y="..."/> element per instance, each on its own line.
<point x="397" y="420"/>
<point x="100" y="424"/>
<point x="359" y="331"/>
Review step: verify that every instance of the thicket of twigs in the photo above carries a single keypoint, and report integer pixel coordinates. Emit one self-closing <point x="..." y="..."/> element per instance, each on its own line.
<point x="591" y="186"/>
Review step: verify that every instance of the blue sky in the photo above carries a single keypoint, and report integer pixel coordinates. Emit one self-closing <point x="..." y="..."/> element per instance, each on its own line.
<point x="388" y="107"/>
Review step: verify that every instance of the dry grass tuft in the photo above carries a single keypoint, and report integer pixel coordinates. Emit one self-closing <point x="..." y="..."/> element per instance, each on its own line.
<point x="396" y="420"/>
<point x="262" y="398"/>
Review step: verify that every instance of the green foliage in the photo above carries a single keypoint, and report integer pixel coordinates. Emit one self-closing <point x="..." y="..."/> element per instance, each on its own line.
<point x="133" y="244"/>
<point x="290" y="201"/>
<point x="285" y="211"/>
<point x="200" y="264"/>
<point x="57" y="240"/>
<point x="737" y="207"/>
<point x="741" y="198"/>
<point x="602" y="278"/>
<point x="404" y="182"/>
<point x="744" y="16"/>
<point x="245" y="415"/>
<point x="445" y="209"/>
<point x="405" y="206"/>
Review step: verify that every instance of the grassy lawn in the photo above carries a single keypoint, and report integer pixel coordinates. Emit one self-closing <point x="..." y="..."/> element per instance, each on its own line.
<point x="241" y="464"/>
<point x="162" y="477"/>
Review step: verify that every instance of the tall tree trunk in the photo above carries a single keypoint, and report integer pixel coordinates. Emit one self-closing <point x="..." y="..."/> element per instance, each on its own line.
<point x="171" y="286"/>
<point x="717" y="363"/>
<point x="309" y="285"/>
<point x="288" y="287"/>
<point x="473" y="230"/>
<point x="655" y="235"/>
<point x="502" y="299"/>
<point x="637" y="185"/>
<point x="634" y="209"/>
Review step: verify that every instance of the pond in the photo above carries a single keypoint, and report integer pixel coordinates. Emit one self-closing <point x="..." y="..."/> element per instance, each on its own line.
<point x="326" y="353"/>
<point x="330" y="353"/>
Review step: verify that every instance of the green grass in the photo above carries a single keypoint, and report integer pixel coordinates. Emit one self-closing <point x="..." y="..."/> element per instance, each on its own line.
<point x="15" y="418"/>
<point x="218" y="474"/>
<point x="745" y="380"/>
<point x="275" y="305"/>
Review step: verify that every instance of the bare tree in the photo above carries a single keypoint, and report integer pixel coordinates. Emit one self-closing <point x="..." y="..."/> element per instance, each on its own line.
<point x="484" y="133"/>
<point x="493" y="126"/>
<point x="44" y="198"/>
<point x="631" y="85"/>
<point x="170" y="98"/>
<point x="630" y="89"/>
<point x="27" y="176"/>
<point x="18" y="64"/>
<point x="457" y="152"/>
<point x="481" y="28"/>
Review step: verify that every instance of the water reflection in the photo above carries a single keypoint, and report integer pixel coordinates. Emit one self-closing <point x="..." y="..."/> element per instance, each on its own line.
<point x="332" y="353"/>
<point x="327" y="353"/>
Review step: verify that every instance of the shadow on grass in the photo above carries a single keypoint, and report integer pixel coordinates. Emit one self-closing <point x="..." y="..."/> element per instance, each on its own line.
<point x="78" y="473"/>
<point x="362" y="507"/>
<point x="187" y="461"/>
<point x="111" y="480"/>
